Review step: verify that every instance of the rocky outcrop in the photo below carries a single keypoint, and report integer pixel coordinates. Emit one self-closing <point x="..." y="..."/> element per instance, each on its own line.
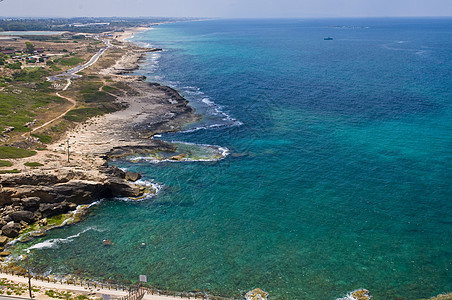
<point x="26" y="199"/>
<point x="152" y="147"/>
<point x="132" y="176"/>
<point x="22" y="215"/>
<point x="256" y="294"/>
<point x="11" y="229"/>
<point x="361" y="294"/>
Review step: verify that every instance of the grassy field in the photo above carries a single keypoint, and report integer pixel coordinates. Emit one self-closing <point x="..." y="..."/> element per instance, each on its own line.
<point x="82" y="114"/>
<point x="45" y="139"/>
<point x="71" y="61"/>
<point x="28" y="100"/>
<point x="15" y="112"/>
<point x="13" y="152"/>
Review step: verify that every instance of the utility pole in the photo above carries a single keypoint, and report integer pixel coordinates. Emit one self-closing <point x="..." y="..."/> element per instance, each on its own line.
<point x="68" y="146"/>
<point x="29" y="274"/>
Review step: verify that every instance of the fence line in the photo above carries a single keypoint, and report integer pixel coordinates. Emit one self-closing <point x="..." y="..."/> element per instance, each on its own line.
<point x="135" y="293"/>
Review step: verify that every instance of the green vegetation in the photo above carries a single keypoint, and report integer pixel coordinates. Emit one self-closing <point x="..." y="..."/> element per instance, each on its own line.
<point x="58" y="294"/>
<point x="98" y="97"/>
<point x="33" y="164"/>
<point x="13" y="152"/>
<point x="3" y="58"/>
<point x="89" y="87"/>
<point x="13" y="171"/>
<point x="91" y="94"/>
<point x="82" y="114"/>
<point x="31" y="75"/>
<point x="14" y="66"/>
<point x="109" y="89"/>
<point x="10" y="287"/>
<point x="17" y="109"/>
<point x="57" y="220"/>
<point x="5" y="163"/>
<point x="29" y="47"/>
<point x="42" y="138"/>
<point x="71" y="61"/>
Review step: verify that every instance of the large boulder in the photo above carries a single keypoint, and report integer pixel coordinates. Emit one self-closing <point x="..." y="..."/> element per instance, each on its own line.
<point x="22" y="215"/>
<point x="31" y="203"/>
<point x="11" y="229"/>
<point x="53" y="209"/>
<point x="3" y="240"/>
<point x="79" y="191"/>
<point x="117" y="186"/>
<point x="132" y="176"/>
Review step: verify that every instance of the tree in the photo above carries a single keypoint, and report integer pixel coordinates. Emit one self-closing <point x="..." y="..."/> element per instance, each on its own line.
<point x="29" y="47"/>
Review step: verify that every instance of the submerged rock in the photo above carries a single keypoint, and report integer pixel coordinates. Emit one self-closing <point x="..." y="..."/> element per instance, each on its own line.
<point x="256" y="294"/>
<point x="107" y="243"/>
<point x="132" y="176"/>
<point x="361" y="294"/>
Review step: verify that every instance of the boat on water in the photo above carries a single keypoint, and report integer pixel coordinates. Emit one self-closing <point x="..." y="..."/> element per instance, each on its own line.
<point x="328" y="39"/>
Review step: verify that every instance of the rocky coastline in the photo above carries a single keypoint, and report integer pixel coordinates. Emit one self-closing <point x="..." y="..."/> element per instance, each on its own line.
<point x="30" y="198"/>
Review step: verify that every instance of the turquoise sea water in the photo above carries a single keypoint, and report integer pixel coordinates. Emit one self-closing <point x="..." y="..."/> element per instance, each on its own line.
<point x="339" y="175"/>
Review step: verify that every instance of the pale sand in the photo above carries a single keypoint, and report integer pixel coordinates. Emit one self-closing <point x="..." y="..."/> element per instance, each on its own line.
<point x="129" y="33"/>
<point x="114" y="294"/>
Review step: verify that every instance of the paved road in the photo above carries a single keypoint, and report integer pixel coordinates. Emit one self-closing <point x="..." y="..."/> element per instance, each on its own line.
<point x="68" y="75"/>
<point x="71" y="73"/>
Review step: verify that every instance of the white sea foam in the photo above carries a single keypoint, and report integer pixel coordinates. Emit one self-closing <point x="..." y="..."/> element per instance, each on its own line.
<point x="223" y="151"/>
<point x="150" y="184"/>
<point x="52" y="243"/>
<point x="157" y="187"/>
<point x="193" y="94"/>
<point x="207" y="101"/>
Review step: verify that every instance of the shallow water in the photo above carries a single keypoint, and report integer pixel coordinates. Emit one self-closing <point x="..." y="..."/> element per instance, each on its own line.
<point x="339" y="175"/>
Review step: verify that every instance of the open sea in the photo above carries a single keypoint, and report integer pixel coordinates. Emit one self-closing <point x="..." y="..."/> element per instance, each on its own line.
<point x="338" y="175"/>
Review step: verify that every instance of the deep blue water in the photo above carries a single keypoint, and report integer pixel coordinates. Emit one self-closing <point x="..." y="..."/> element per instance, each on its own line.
<point x="339" y="175"/>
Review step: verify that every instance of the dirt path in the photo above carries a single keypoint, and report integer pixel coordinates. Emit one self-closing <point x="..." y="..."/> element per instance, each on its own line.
<point x="72" y="101"/>
<point x="65" y="287"/>
<point x="114" y="294"/>
<point x="72" y="72"/>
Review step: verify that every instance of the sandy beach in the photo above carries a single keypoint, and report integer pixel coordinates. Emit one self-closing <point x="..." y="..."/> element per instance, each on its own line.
<point x="130" y="32"/>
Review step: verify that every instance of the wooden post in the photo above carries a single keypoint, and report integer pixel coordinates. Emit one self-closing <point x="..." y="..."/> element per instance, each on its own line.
<point x="29" y="274"/>
<point x="68" y="146"/>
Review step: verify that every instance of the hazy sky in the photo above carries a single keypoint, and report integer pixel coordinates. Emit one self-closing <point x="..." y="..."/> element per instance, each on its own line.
<point x="226" y="8"/>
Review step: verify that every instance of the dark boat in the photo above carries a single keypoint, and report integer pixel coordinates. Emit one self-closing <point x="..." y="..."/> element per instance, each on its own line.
<point x="328" y="39"/>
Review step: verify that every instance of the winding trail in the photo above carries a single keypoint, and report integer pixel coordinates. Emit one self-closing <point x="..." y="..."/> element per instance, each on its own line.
<point x="68" y="75"/>
<point x="72" y="101"/>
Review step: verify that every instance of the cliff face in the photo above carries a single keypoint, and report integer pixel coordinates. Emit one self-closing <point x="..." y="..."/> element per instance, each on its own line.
<point x="29" y="198"/>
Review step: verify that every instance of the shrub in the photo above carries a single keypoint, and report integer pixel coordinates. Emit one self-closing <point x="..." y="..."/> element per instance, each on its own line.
<point x="33" y="164"/>
<point x="42" y="138"/>
<point x="5" y="163"/>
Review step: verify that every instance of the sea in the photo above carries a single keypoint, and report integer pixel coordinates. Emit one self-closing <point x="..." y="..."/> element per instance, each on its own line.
<point x="335" y="175"/>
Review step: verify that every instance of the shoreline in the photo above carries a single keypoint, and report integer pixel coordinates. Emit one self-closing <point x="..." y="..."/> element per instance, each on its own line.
<point x="61" y="186"/>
